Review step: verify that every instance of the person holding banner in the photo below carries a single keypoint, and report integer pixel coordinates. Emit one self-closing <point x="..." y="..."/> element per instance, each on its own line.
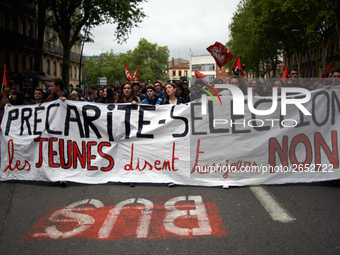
<point x="256" y="86"/>
<point x="170" y="95"/>
<point x="56" y="90"/>
<point x="277" y="83"/>
<point x="127" y="95"/>
<point x="239" y="82"/>
<point x="336" y="77"/>
<point x="151" y="97"/>
<point x="293" y="81"/>
<point x="3" y="102"/>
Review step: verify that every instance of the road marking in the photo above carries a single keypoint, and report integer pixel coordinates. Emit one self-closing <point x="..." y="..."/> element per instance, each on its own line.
<point x="275" y="210"/>
<point x="134" y="218"/>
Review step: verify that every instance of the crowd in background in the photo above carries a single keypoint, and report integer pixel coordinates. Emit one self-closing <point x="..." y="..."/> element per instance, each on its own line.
<point x="160" y="92"/>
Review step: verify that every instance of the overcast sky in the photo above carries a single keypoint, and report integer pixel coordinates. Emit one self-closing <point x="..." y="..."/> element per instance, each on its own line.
<point x="179" y="24"/>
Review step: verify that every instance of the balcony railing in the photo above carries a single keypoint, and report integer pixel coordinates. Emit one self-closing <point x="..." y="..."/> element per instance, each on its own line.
<point x="10" y="39"/>
<point x="59" y="51"/>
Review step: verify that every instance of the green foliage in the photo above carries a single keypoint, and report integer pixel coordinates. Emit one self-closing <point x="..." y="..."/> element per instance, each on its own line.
<point x="70" y="17"/>
<point x="151" y="60"/>
<point x="261" y="29"/>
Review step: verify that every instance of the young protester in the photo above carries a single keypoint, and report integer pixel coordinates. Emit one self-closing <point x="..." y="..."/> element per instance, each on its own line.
<point x="127" y="95"/>
<point x="256" y="86"/>
<point x="99" y="96"/>
<point x="170" y="95"/>
<point x="16" y="98"/>
<point x="151" y="97"/>
<point x="181" y="92"/>
<point x="277" y="83"/>
<point x="171" y="98"/>
<point x="136" y="90"/>
<point x="7" y="91"/>
<point x="159" y="89"/>
<point x="38" y="96"/>
<point x="57" y="92"/>
<point x="108" y="95"/>
<point x="28" y="98"/>
<point x="195" y="91"/>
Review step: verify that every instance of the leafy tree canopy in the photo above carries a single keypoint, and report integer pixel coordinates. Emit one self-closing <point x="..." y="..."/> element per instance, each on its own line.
<point x="150" y="59"/>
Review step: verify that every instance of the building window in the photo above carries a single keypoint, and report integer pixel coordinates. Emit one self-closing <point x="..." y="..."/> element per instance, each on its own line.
<point x="179" y="73"/>
<point x="30" y="30"/>
<point x="204" y="67"/>
<point x="7" y="60"/>
<point x="210" y="77"/>
<point x="23" y="27"/>
<point x="31" y="63"/>
<point x="23" y="61"/>
<point x="47" y="36"/>
<point x="186" y="73"/>
<point x="16" y="62"/>
<point x="173" y="73"/>
<point x="14" y="24"/>
<point x="75" y="72"/>
<point x="70" y="75"/>
<point x="48" y="67"/>
<point x="55" y="68"/>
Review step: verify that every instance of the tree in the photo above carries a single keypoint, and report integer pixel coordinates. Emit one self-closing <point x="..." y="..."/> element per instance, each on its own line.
<point x="71" y="17"/>
<point x="262" y="29"/>
<point x="151" y="60"/>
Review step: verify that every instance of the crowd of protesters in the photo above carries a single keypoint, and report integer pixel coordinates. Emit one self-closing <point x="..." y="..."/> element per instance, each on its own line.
<point x="160" y="93"/>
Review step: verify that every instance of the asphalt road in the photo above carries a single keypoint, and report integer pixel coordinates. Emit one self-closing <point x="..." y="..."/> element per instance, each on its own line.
<point x="43" y="218"/>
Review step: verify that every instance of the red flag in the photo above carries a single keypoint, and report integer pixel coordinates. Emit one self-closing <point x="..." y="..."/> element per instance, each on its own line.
<point x="220" y="54"/>
<point x="5" y="78"/>
<point x="329" y="66"/>
<point x="199" y="75"/>
<point x="284" y="75"/>
<point x="135" y="75"/>
<point x="127" y="73"/>
<point x="237" y="70"/>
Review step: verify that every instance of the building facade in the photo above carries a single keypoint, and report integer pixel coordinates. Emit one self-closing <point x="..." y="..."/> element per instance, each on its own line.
<point x="178" y="70"/>
<point x="18" y="33"/>
<point x="206" y="65"/>
<point x="313" y="62"/>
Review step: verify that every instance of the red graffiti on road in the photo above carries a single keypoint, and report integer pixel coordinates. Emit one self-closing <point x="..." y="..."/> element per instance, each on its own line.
<point x="135" y="218"/>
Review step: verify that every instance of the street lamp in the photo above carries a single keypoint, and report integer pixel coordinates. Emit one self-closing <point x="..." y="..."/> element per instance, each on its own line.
<point x="100" y="66"/>
<point x="81" y="57"/>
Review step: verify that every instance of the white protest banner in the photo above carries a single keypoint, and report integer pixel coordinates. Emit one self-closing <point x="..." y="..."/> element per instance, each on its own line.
<point x="97" y="143"/>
